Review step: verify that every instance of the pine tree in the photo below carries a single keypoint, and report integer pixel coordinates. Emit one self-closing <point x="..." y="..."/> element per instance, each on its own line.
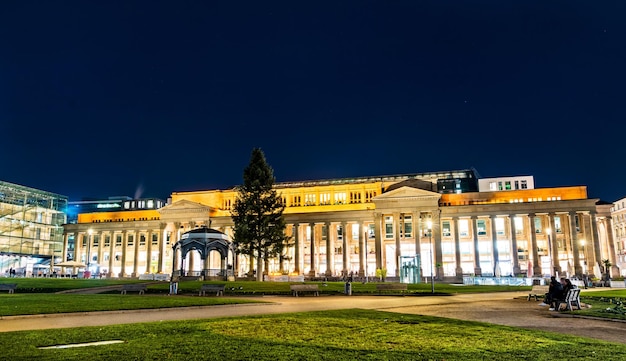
<point x="259" y="225"/>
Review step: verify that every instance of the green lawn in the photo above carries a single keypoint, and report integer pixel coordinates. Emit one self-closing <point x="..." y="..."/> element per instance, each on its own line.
<point x="38" y="303"/>
<point x="328" y="335"/>
<point x="51" y="285"/>
<point x="605" y="304"/>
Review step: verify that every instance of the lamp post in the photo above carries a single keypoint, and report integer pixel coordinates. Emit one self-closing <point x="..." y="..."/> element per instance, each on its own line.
<point x="432" y="261"/>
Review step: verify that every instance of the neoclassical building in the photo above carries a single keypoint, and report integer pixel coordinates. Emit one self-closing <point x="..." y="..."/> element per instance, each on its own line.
<point x="446" y="220"/>
<point x="618" y="212"/>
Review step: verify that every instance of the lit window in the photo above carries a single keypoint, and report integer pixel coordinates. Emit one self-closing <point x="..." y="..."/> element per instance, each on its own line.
<point x="445" y="228"/>
<point x="463" y="227"/>
<point x="481" y="228"/>
<point x="538" y="228"/>
<point x="408" y="226"/>
<point x="499" y="226"/>
<point x="340" y="198"/>
<point x="493" y="186"/>
<point x="388" y="227"/>
<point x="519" y="225"/>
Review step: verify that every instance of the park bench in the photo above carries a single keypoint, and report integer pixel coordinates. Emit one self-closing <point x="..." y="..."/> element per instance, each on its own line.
<point x="304" y="288"/>
<point x="572" y="298"/>
<point x="217" y="289"/>
<point x="141" y="288"/>
<point x="11" y="287"/>
<point x="380" y="287"/>
<point x="538" y="291"/>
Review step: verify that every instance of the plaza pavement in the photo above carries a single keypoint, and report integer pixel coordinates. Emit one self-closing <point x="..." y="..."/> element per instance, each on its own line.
<point x="504" y="308"/>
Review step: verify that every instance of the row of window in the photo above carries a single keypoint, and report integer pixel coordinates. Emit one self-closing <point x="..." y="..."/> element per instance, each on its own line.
<point x="321" y="199"/>
<point x="508" y="185"/>
<point x="406" y="228"/>
<point x="118" y="240"/>
<point x="125" y="220"/>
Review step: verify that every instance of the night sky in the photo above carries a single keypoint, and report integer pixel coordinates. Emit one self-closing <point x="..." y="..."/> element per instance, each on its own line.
<point x="144" y="98"/>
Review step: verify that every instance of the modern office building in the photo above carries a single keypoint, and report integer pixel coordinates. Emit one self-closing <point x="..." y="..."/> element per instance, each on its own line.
<point x="111" y="204"/>
<point x="363" y="224"/>
<point x="31" y="228"/>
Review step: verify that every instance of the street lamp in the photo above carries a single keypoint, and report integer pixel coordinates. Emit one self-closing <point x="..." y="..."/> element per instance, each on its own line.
<point x="432" y="261"/>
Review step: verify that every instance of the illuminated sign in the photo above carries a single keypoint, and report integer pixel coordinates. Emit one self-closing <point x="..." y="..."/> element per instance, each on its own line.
<point x="108" y="205"/>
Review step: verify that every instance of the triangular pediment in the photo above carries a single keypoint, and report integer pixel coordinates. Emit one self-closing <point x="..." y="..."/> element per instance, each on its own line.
<point x="407" y="198"/>
<point x="184" y="206"/>
<point x="407" y="192"/>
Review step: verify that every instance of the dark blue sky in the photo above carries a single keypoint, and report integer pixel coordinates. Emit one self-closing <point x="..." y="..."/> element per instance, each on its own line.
<point x="102" y="98"/>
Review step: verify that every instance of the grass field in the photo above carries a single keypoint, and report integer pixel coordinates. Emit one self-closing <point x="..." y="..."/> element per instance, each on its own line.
<point x="51" y="285"/>
<point x="329" y="335"/>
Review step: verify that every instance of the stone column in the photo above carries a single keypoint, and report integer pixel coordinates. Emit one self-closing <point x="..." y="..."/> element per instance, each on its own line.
<point x="136" y="256"/>
<point x="457" y="249"/>
<point x="161" y="247"/>
<point x="554" y="251"/>
<point x="100" y="249"/>
<point x="66" y="241"/>
<point x="345" y="254"/>
<point x="533" y="242"/>
<point x="312" y="272"/>
<point x="608" y="225"/>
<point x="398" y="225"/>
<point x="437" y="238"/>
<point x="578" y="270"/>
<point x="378" y="245"/>
<point x="596" y="240"/>
<point x="149" y="251"/>
<point x="122" y="273"/>
<point x="78" y="244"/>
<point x="296" y="236"/>
<point x="494" y="244"/>
<point x="331" y="232"/>
<point x="514" y="254"/>
<point x="111" y="255"/>
<point x="419" y="232"/>
<point x="362" y="240"/>
<point x="477" y="270"/>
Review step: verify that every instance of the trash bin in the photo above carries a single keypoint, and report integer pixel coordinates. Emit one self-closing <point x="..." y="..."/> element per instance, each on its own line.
<point x="348" y="290"/>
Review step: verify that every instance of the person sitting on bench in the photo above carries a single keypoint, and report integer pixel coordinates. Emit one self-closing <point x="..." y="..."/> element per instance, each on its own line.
<point x="555" y="290"/>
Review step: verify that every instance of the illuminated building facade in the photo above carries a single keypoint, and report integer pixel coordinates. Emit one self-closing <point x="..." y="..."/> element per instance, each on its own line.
<point x="31" y="231"/>
<point x="618" y="253"/>
<point x="358" y="225"/>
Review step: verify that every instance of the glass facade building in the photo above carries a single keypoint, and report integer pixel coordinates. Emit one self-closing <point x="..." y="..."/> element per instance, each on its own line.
<point x="31" y="228"/>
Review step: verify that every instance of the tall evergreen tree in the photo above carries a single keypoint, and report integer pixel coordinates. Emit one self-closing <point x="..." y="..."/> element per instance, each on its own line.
<point x="258" y="214"/>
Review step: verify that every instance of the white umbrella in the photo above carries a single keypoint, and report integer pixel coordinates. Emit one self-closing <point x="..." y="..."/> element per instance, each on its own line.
<point x="70" y="264"/>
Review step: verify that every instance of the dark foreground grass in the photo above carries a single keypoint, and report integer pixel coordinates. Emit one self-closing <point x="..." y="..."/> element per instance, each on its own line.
<point x="37" y="303"/>
<point x="330" y="335"/>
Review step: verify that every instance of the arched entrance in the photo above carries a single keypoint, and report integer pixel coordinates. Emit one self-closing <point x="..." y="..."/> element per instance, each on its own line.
<point x="204" y="241"/>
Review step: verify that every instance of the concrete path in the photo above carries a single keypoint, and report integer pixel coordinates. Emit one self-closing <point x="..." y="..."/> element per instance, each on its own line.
<point x="508" y="308"/>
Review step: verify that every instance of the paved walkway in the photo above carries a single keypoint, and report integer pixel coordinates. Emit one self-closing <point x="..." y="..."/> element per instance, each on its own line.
<point x="508" y="308"/>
